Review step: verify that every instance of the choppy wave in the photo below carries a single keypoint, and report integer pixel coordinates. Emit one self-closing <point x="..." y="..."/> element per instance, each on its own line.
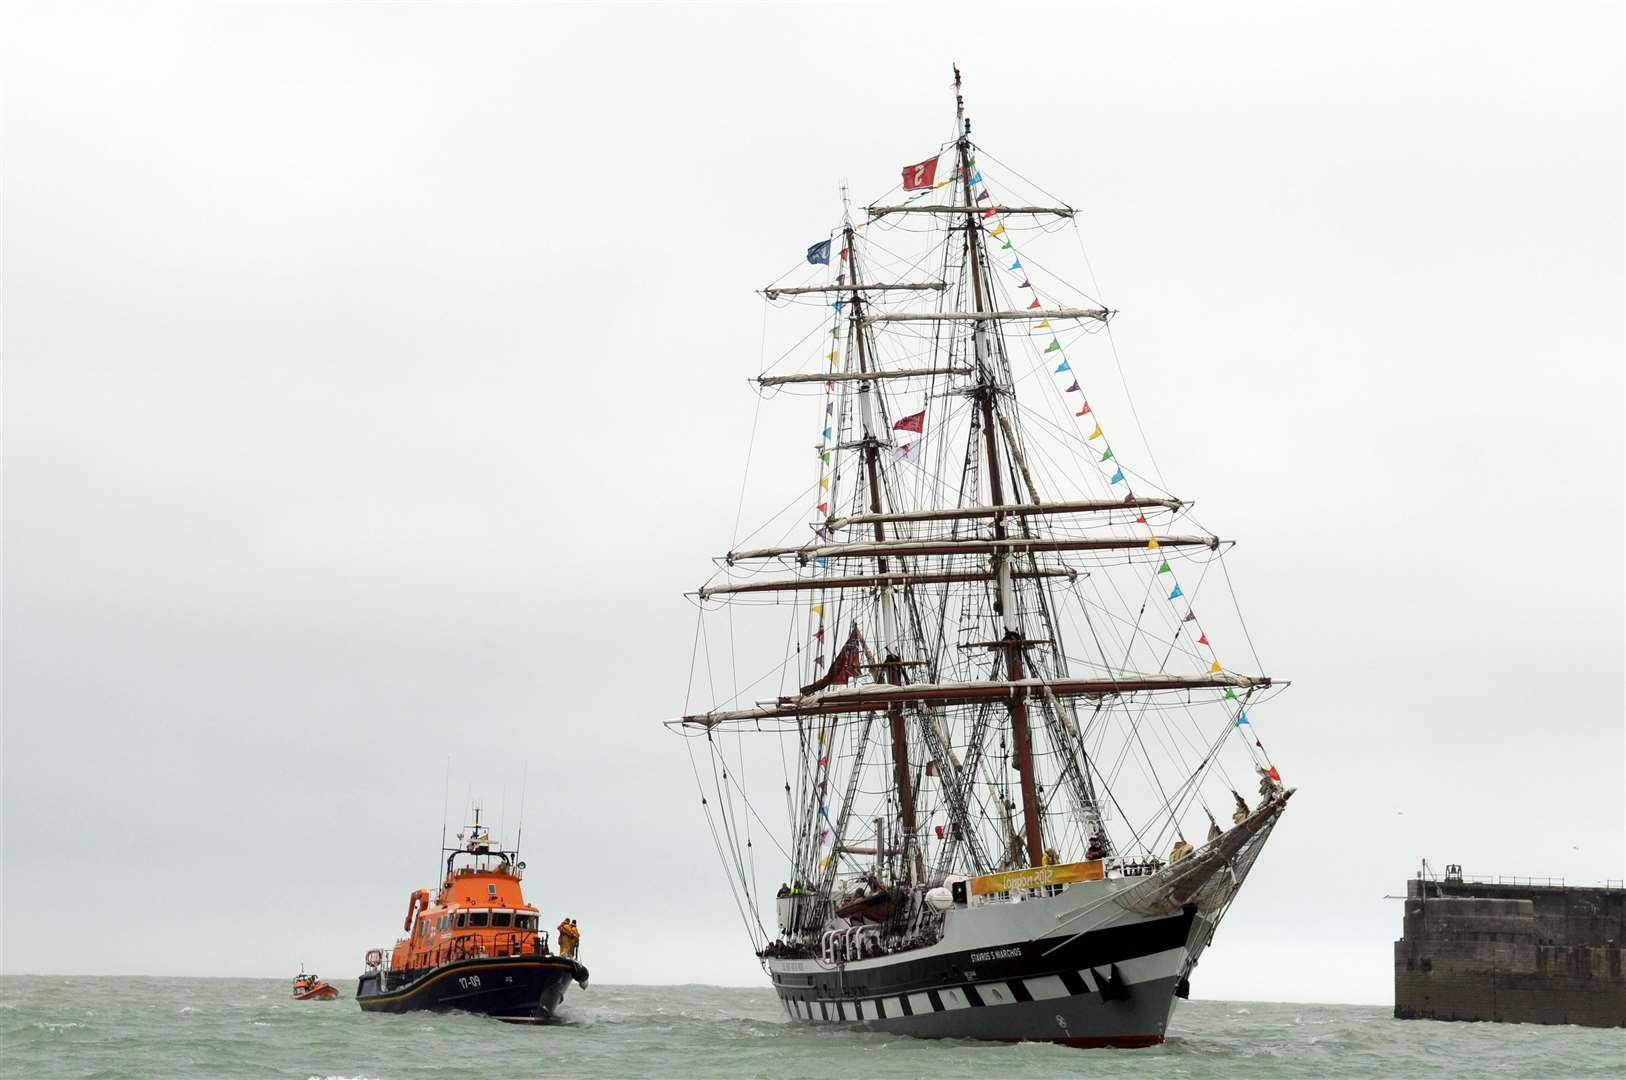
<point x="54" y="1029"/>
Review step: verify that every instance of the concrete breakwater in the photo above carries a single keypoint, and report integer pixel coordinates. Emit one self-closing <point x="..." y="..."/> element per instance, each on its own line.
<point x="1513" y="952"/>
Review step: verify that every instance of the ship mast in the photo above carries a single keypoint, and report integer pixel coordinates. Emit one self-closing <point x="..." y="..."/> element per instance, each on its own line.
<point x="986" y="390"/>
<point x="892" y="662"/>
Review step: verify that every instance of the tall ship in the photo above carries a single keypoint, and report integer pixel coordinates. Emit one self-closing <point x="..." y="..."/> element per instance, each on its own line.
<point x="966" y="743"/>
<point x="475" y="945"/>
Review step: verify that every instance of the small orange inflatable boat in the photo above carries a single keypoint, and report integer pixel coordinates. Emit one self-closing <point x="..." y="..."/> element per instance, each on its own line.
<point x="310" y="988"/>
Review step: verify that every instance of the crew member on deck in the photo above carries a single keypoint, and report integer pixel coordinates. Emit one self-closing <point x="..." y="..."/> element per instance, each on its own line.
<point x="1096" y="850"/>
<point x="567" y="938"/>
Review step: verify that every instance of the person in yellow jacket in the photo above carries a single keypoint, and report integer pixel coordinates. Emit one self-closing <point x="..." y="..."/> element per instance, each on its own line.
<point x="568" y="937"/>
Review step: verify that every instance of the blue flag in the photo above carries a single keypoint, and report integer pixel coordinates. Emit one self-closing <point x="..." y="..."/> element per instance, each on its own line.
<point x="1118" y="478"/>
<point x="1176" y="593"/>
<point x="1241" y="718"/>
<point x="1063" y="366"/>
<point x="819" y="253"/>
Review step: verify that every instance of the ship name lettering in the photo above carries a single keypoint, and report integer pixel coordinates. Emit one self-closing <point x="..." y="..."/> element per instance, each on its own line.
<point x="995" y="954"/>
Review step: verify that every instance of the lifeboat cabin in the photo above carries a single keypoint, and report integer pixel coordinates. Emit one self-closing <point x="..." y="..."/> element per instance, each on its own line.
<point x="476" y="946"/>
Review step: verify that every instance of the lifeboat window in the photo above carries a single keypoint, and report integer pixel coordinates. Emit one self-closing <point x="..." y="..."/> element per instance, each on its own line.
<point x="478" y="918"/>
<point x="460" y="918"/>
<point x="501" y="918"/>
<point x="525" y="922"/>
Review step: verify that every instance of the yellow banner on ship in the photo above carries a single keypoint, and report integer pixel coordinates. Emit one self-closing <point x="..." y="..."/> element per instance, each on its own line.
<point x="1037" y="877"/>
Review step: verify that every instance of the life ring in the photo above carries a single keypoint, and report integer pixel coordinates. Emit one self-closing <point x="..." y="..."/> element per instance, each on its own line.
<point x="375" y="957"/>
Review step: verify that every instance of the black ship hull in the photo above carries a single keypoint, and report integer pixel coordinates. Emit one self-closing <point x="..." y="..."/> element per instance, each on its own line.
<point x="1115" y="986"/>
<point x="517" y="989"/>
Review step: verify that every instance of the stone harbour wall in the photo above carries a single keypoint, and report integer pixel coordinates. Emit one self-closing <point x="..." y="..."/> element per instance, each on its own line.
<point x="1531" y="954"/>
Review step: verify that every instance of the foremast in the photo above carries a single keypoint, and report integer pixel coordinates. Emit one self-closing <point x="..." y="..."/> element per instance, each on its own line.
<point x="987" y="389"/>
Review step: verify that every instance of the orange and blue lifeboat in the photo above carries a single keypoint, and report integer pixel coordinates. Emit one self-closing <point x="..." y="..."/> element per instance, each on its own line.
<point x="474" y="946"/>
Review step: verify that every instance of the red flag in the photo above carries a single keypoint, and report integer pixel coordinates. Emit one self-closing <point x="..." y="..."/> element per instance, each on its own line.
<point x="1084" y="410"/>
<point x="923" y="175"/>
<point x="1034" y="304"/>
<point x="1141" y="520"/>
<point x="917" y="422"/>
<point x="990" y="212"/>
<point x="824" y="508"/>
<point x="848" y="663"/>
<point x="939" y="830"/>
<point x="1203" y="640"/>
<point x="1274" y="775"/>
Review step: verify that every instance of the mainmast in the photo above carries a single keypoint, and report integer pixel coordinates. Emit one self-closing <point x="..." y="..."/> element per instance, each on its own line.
<point x="892" y="662"/>
<point x="987" y="389"/>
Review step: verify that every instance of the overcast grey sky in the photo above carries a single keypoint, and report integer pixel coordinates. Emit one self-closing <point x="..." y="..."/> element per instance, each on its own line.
<point x="374" y="388"/>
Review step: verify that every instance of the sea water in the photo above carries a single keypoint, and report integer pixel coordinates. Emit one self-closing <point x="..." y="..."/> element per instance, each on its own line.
<point x="53" y="1027"/>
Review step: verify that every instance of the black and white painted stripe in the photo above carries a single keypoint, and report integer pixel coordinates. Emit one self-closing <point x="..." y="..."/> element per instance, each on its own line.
<point x="1115" y="980"/>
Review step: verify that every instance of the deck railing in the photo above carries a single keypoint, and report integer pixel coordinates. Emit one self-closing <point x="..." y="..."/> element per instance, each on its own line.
<point x="468" y="947"/>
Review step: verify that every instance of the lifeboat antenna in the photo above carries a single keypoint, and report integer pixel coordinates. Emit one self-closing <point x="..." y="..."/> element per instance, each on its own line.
<point x="445" y="808"/>
<point x="524" y="777"/>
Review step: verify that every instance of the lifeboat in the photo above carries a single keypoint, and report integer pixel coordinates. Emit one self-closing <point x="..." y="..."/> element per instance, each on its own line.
<point x="474" y="945"/>
<point x="309" y="988"/>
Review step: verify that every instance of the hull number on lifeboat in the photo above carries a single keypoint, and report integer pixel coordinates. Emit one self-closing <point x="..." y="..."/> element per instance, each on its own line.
<point x="469" y="982"/>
